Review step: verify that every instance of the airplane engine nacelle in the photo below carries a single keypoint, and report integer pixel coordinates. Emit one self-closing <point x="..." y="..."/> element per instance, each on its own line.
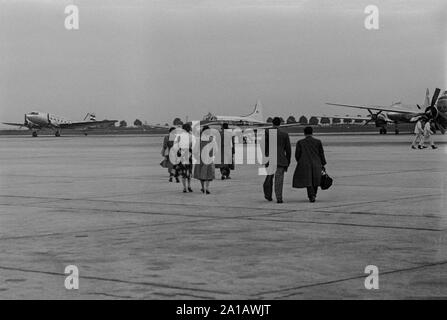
<point x="380" y="121"/>
<point x="431" y="112"/>
<point x="442" y="104"/>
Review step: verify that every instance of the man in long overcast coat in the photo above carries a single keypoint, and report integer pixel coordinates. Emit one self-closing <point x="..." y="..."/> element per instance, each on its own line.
<point x="309" y="155"/>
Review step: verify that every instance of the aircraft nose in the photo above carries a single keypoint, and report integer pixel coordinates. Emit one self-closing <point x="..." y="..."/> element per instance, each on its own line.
<point x="30" y="117"/>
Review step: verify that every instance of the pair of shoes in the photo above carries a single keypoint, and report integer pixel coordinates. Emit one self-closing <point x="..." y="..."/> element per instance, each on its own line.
<point x="434" y="147"/>
<point x="312" y="199"/>
<point x="228" y="177"/>
<point x="189" y="189"/>
<point x="413" y="147"/>
<point x="268" y="198"/>
<point x="223" y="177"/>
<point x="184" y="190"/>
<point x="207" y="192"/>
<point x="422" y="147"/>
<point x="279" y="201"/>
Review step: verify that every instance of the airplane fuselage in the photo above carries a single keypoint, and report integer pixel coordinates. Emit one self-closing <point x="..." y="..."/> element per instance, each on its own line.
<point x="399" y="117"/>
<point x="442" y="103"/>
<point x="44" y="120"/>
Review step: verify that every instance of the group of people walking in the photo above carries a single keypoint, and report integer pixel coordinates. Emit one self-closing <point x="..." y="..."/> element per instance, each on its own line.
<point x="309" y="155"/>
<point x="184" y="167"/>
<point x="423" y="131"/>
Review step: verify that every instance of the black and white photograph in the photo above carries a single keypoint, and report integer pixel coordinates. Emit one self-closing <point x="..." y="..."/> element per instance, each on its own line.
<point x="238" y="151"/>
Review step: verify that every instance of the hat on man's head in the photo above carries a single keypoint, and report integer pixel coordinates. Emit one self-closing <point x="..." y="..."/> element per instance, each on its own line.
<point x="276" y="121"/>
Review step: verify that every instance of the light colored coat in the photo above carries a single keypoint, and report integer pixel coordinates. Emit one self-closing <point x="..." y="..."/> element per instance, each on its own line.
<point x="418" y="129"/>
<point x="427" y="129"/>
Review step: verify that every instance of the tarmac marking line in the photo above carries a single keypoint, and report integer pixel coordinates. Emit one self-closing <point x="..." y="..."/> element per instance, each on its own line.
<point x="355" y="213"/>
<point x="383" y="200"/>
<point x="377" y="214"/>
<point x="346" y="224"/>
<point x="76" y="210"/>
<point x="55" y="199"/>
<point x="391" y="172"/>
<point x="141" y="283"/>
<point x="128" y="226"/>
<point x="409" y="269"/>
<point x="135" y="202"/>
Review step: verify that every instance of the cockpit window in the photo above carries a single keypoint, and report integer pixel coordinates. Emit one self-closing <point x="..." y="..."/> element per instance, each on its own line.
<point x="34" y="113"/>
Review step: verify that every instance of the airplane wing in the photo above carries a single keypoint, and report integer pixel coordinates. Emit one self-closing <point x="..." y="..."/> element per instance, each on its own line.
<point x="377" y="108"/>
<point x="88" y="124"/>
<point x="14" y="124"/>
<point x="157" y="126"/>
<point x="284" y="125"/>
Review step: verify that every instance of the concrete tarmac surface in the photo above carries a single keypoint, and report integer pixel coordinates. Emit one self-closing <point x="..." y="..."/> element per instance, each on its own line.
<point x="104" y="204"/>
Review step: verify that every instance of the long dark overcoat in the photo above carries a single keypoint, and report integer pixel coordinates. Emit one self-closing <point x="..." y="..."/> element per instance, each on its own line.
<point x="310" y="159"/>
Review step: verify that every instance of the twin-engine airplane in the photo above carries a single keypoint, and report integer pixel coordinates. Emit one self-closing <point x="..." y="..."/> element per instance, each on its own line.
<point x="36" y="121"/>
<point x="398" y="113"/>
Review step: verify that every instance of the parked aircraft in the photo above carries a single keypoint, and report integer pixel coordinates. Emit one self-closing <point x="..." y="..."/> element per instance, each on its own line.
<point x="36" y="121"/>
<point x="398" y="113"/>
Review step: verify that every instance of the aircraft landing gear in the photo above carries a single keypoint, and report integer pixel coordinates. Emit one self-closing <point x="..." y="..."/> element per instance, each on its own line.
<point x="34" y="134"/>
<point x="57" y="133"/>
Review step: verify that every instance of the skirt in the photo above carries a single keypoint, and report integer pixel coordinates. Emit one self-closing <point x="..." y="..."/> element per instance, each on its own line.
<point x="183" y="170"/>
<point x="204" y="171"/>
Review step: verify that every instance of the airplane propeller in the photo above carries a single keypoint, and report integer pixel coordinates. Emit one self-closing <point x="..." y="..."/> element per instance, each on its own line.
<point x="374" y="116"/>
<point x="25" y="123"/>
<point x="431" y="112"/>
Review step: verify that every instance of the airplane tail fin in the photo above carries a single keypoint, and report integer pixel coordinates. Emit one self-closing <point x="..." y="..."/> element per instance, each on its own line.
<point x="90" y="116"/>
<point x="257" y="112"/>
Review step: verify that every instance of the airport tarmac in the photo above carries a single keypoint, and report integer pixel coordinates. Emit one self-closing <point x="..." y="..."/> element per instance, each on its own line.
<point x="104" y="204"/>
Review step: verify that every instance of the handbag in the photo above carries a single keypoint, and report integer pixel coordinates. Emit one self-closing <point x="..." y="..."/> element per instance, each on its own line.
<point x="164" y="163"/>
<point x="326" y="181"/>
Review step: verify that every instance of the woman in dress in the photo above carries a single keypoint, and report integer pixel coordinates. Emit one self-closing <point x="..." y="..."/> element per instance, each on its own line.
<point x="167" y="145"/>
<point x="204" y="170"/>
<point x="183" y="168"/>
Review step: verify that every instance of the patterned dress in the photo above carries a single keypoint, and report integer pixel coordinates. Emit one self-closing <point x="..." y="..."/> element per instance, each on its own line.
<point x="183" y="143"/>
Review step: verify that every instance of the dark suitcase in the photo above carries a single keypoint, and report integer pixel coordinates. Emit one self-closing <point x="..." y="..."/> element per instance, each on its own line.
<point x="326" y="181"/>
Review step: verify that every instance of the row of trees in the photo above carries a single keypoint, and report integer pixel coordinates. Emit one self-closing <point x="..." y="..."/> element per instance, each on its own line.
<point x="136" y="123"/>
<point x="315" y="120"/>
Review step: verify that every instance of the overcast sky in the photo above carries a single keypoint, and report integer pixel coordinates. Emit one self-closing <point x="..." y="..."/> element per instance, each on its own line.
<point x="155" y="60"/>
